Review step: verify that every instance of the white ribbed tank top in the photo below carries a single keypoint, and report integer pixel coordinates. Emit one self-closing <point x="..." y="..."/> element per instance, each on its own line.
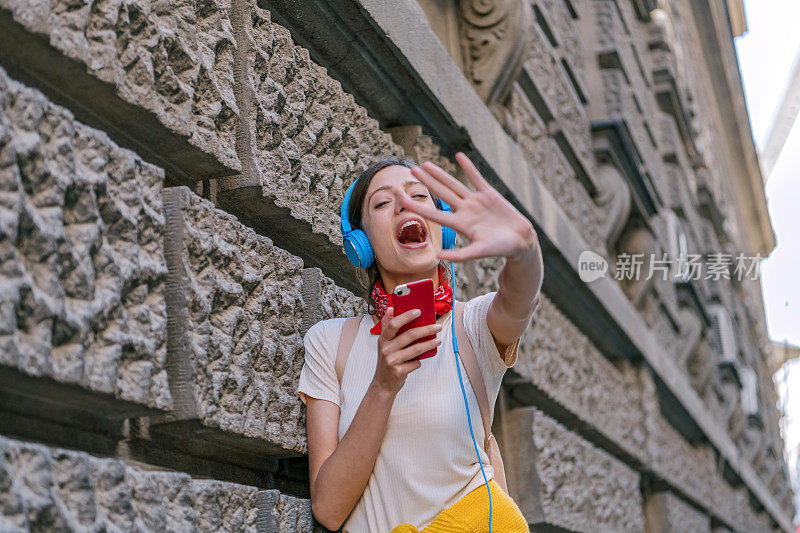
<point x="427" y="460"/>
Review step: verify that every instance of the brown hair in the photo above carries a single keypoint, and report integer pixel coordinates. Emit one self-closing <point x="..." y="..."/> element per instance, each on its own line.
<point x="367" y="277"/>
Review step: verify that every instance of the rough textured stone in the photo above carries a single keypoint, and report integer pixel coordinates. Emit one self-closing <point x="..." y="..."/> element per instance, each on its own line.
<point x="658" y="320"/>
<point x="83" y="268"/>
<point x="583" y="488"/>
<point x="544" y="155"/>
<point x="684" y="465"/>
<point x="667" y="513"/>
<point x="52" y="489"/>
<point x="224" y="506"/>
<point x="309" y="139"/>
<point x="237" y="318"/>
<point x="280" y="513"/>
<point x="174" y="59"/>
<point x="558" y="95"/>
<point x="557" y="358"/>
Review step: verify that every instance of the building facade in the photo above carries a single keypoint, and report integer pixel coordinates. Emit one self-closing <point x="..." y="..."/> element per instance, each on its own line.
<point x="170" y="181"/>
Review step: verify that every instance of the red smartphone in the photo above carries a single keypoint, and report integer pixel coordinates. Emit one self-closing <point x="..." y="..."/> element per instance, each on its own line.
<point x="416" y="295"/>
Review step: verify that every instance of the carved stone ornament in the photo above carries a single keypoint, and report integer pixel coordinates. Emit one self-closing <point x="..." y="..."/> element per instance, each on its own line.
<point x="494" y="36"/>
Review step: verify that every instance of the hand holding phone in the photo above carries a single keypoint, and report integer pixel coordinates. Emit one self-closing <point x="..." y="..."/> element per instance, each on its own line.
<point x="416" y="295"/>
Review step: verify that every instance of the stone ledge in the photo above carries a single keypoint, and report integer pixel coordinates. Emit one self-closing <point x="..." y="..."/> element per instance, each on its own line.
<point x="158" y="78"/>
<point x="57" y="489"/>
<point x="579" y="487"/>
<point x="81" y="247"/>
<point x="238" y="307"/>
<point x="666" y="513"/>
<point x="303" y="141"/>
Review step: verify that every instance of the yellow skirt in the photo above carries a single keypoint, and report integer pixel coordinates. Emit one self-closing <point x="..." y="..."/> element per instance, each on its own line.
<point x="470" y="514"/>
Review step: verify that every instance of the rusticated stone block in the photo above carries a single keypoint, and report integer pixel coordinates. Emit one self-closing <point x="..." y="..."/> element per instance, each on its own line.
<point x="666" y="513"/>
<point x="687" y="466"/>
<point x="278" y="513"/>
<point x="53" y="489"/>
<point x="516" y="443"/>
<point x="566" y="366"/>
<point x="563" y="26"/>
<point x="222" y="506"/>
<point x="545" y="156"/>
<point x="583" y="488"/>
<point x="304" y="142"/>
<point x="236" y="319"/>
<point x="323" y="299"/>
<point x="310" y="137"/>
<point x="81" y="253"/>
<point x="725" y="500"/>
<point x="175" y="60"/>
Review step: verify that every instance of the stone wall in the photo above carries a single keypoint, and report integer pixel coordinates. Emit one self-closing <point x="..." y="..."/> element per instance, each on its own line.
<point x="170" y="180"/>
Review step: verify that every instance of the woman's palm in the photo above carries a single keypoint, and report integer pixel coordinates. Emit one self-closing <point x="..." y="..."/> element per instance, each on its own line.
<point x="493" y="226"/>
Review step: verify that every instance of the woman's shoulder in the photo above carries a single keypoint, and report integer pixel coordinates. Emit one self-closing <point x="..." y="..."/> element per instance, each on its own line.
<point x="479" y="301"/>
<point x="327" y="331"/>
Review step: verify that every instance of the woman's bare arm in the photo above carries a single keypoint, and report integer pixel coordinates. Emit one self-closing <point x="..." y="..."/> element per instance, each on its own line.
<point x="495" y="228"/>
<point x="339" y="470"/>
<point x="518" y="294"/>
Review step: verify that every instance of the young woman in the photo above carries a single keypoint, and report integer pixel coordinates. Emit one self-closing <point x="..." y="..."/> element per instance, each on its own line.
<point x="390" y="449"/>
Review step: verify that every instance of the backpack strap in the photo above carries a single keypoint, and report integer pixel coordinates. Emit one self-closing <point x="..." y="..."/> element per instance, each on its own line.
<point x="349" y="330"/>
<point x="470" y="362"/>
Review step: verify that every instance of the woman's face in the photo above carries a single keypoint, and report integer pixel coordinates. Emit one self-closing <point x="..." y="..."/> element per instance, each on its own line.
<point x="404" y="242"/>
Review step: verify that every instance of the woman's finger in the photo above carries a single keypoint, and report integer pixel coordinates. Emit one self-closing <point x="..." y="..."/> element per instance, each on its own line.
<point x="417" y="333"/>
<point x="387" y="316"/>
<point x="406" y="354"/>
<point x="474" y="175"/>
<point x="431" y="213"/>
<point x="394" y="324"/>
<point x="437" y="188"/>
<point x="475" y="250"/>
<point x="409" y="366"/>
<point x="440" y="174"/>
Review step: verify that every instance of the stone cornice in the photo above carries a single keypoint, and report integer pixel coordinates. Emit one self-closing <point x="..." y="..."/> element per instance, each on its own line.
<point x="714" y="32"/>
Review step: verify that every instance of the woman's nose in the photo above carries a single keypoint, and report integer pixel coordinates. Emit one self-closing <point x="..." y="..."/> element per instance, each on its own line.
<point x="399" y="204"/>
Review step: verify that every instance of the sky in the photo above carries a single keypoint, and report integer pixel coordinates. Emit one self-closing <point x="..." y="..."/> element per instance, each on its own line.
<point x="766" y="53"/>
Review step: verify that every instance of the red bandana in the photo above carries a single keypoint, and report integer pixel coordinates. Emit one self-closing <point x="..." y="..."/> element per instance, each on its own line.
<point x="442" y="299"/>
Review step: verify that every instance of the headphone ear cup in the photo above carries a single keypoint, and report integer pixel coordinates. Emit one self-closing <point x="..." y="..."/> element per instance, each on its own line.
<point x="448" y="238"/>
<point x="358" y="249"/>
<point x="448" y="234"/>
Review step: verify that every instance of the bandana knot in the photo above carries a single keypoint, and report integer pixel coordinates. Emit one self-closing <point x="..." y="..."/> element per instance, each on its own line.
<point x="442" y="299"/>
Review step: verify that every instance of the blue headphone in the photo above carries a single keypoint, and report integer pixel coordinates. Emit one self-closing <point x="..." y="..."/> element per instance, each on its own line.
<point x="356" y="244"/>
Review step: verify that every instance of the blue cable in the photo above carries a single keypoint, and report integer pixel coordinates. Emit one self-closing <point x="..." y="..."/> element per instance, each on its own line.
<point x="464" y="393"/>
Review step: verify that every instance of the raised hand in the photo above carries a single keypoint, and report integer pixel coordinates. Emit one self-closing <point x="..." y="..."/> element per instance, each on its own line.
<point x="494" y="227"/>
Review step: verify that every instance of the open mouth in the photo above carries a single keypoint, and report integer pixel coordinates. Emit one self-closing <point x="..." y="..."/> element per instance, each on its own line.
<point x="411" y="232"/>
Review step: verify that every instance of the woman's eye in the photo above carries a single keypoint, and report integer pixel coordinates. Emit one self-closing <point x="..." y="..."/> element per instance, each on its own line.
<point x="381" y="204"/>
<point x="420" y="196"/>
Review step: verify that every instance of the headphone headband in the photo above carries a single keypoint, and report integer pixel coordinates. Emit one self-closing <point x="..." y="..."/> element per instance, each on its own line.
<point x="345" y="210"/>
<point x="355" y="241"/>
